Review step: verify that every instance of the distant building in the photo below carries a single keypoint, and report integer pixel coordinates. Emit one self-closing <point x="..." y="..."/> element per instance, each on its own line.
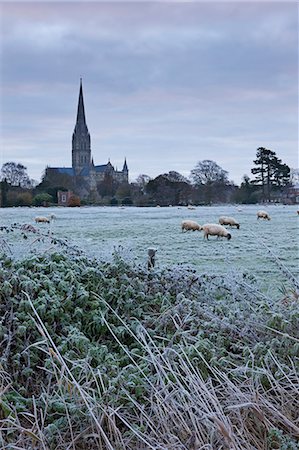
<point x="84" y="173"/>
<point x="63" y="197"/>
<point x="293" y="193"/>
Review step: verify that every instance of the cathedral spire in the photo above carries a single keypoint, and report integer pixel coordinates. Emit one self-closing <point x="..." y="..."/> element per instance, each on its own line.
<point x="81" y="122"/>
<point x="125" y="167"/>
<point x="81" y="152"/>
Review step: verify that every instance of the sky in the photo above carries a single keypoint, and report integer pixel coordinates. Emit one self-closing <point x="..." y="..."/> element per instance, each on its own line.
<point x="166" y="84"/>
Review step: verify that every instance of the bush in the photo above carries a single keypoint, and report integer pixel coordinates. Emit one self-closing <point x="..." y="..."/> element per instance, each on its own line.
<point x="24" y="199"/>
<point x="127" y="201"/>
<point x="114" y="201"/>
<point x="140" y="356"/>
<point x="98" y="354"/>
<point x="15" y="197"/>
<point x="42" y="199"/>
<point x="74" y="201"/>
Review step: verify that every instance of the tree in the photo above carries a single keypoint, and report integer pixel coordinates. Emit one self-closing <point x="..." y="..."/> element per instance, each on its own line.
<point x="166" y="189"/>
<point x="270" y="172"/>
<point x="211" y="181"/>
<point x="246" y="192"/>
<point x="24" y="199"/>
<point x="123" y="191"/>
<point x="281" y="175"/>
<point x="294" y="176"/>
<point x="107" y="187"/>
<point x="15" y="174"/>
<point x="208" y="172"/>
<point x="142" y="180"/>
<point x="52" y="180"/>
<point x="176" y="177"/>
<point x="4" y="188"/>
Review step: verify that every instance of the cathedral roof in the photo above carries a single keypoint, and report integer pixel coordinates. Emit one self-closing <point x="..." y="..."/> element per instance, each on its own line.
<point x="65" y="170"/>
<point x="101" y="168"/>
<point x="84" y="172"/>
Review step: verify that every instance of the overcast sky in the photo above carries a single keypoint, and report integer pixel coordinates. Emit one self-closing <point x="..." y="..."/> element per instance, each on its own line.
<point x="165" y="84"/>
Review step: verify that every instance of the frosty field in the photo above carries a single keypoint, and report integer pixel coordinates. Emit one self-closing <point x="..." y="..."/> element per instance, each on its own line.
<point x="114" y="356"/>
<point x="99" y="230"/>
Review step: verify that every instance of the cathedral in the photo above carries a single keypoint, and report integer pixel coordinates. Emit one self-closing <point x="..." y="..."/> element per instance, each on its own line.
<point x="85" y="174"/>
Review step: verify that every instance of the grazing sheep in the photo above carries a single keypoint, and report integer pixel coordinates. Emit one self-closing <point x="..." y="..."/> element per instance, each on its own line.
<point x="263" y="215"/>
<point x="213" y="229"/>
<point x="41" y="219"/>
<point x="223" y="220"/>
<point x="190" y="225"/>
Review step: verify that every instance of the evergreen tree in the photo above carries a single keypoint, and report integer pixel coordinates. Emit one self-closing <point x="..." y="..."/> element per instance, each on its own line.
<point x="270" y="172"/>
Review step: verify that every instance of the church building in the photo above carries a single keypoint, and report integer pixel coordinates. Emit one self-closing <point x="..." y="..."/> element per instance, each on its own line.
<point x="85" y="174"/>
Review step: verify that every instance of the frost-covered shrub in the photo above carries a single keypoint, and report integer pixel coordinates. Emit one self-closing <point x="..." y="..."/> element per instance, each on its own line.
<point x="138" y="355"/>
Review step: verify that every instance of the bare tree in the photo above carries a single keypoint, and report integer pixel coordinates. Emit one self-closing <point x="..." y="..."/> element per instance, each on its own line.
<point x="142" y="180"/>
<point x="208" y="172"/>
<point x="211" y="181"/>
<point x="15" y="174"/>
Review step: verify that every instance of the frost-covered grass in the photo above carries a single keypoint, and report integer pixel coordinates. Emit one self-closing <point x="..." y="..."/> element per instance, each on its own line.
<point x="101" y="354"/>
<point x="98" y="230"/>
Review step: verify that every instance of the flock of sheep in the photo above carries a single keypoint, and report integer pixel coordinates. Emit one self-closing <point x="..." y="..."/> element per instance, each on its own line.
<point x="209" y="229"/>
<point x="215" y="229"/>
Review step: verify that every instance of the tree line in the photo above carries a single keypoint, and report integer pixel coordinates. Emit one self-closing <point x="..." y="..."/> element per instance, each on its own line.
<point x="207" y="184"/>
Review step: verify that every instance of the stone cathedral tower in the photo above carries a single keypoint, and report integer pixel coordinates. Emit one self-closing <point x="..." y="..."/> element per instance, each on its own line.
<point x="85" y="175"/>
<point x="81" y="151"/>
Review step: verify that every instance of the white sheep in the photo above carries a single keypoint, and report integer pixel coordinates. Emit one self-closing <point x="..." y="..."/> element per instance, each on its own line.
<point x="213" y="229"/>
<point x="190" y="225"/>
<point x="41" y="219"/>
<point x="223" y="220"/>
<point x="263" y="215"/>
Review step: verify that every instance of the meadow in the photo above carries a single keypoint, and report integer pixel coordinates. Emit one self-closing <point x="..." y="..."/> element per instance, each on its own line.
<point x="98" y="352"/>
<point x="253" y="249"/>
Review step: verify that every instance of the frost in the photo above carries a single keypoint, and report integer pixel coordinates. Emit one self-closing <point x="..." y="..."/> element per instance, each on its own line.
<point x="193" y="354"/>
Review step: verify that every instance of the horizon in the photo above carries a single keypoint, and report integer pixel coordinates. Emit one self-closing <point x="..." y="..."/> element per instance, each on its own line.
<point x="165" y="84"/>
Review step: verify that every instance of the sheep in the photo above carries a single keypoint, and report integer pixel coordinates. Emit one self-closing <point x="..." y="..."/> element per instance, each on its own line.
<point x="41" y="219"/>
<point x="214" y="229"/>
<point x="190" y="225"/>
<point x="263" y="215"/>
<point x="223" y="220"/>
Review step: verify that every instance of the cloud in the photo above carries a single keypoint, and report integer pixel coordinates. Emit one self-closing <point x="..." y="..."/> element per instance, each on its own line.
<point x="164" y="83"/>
